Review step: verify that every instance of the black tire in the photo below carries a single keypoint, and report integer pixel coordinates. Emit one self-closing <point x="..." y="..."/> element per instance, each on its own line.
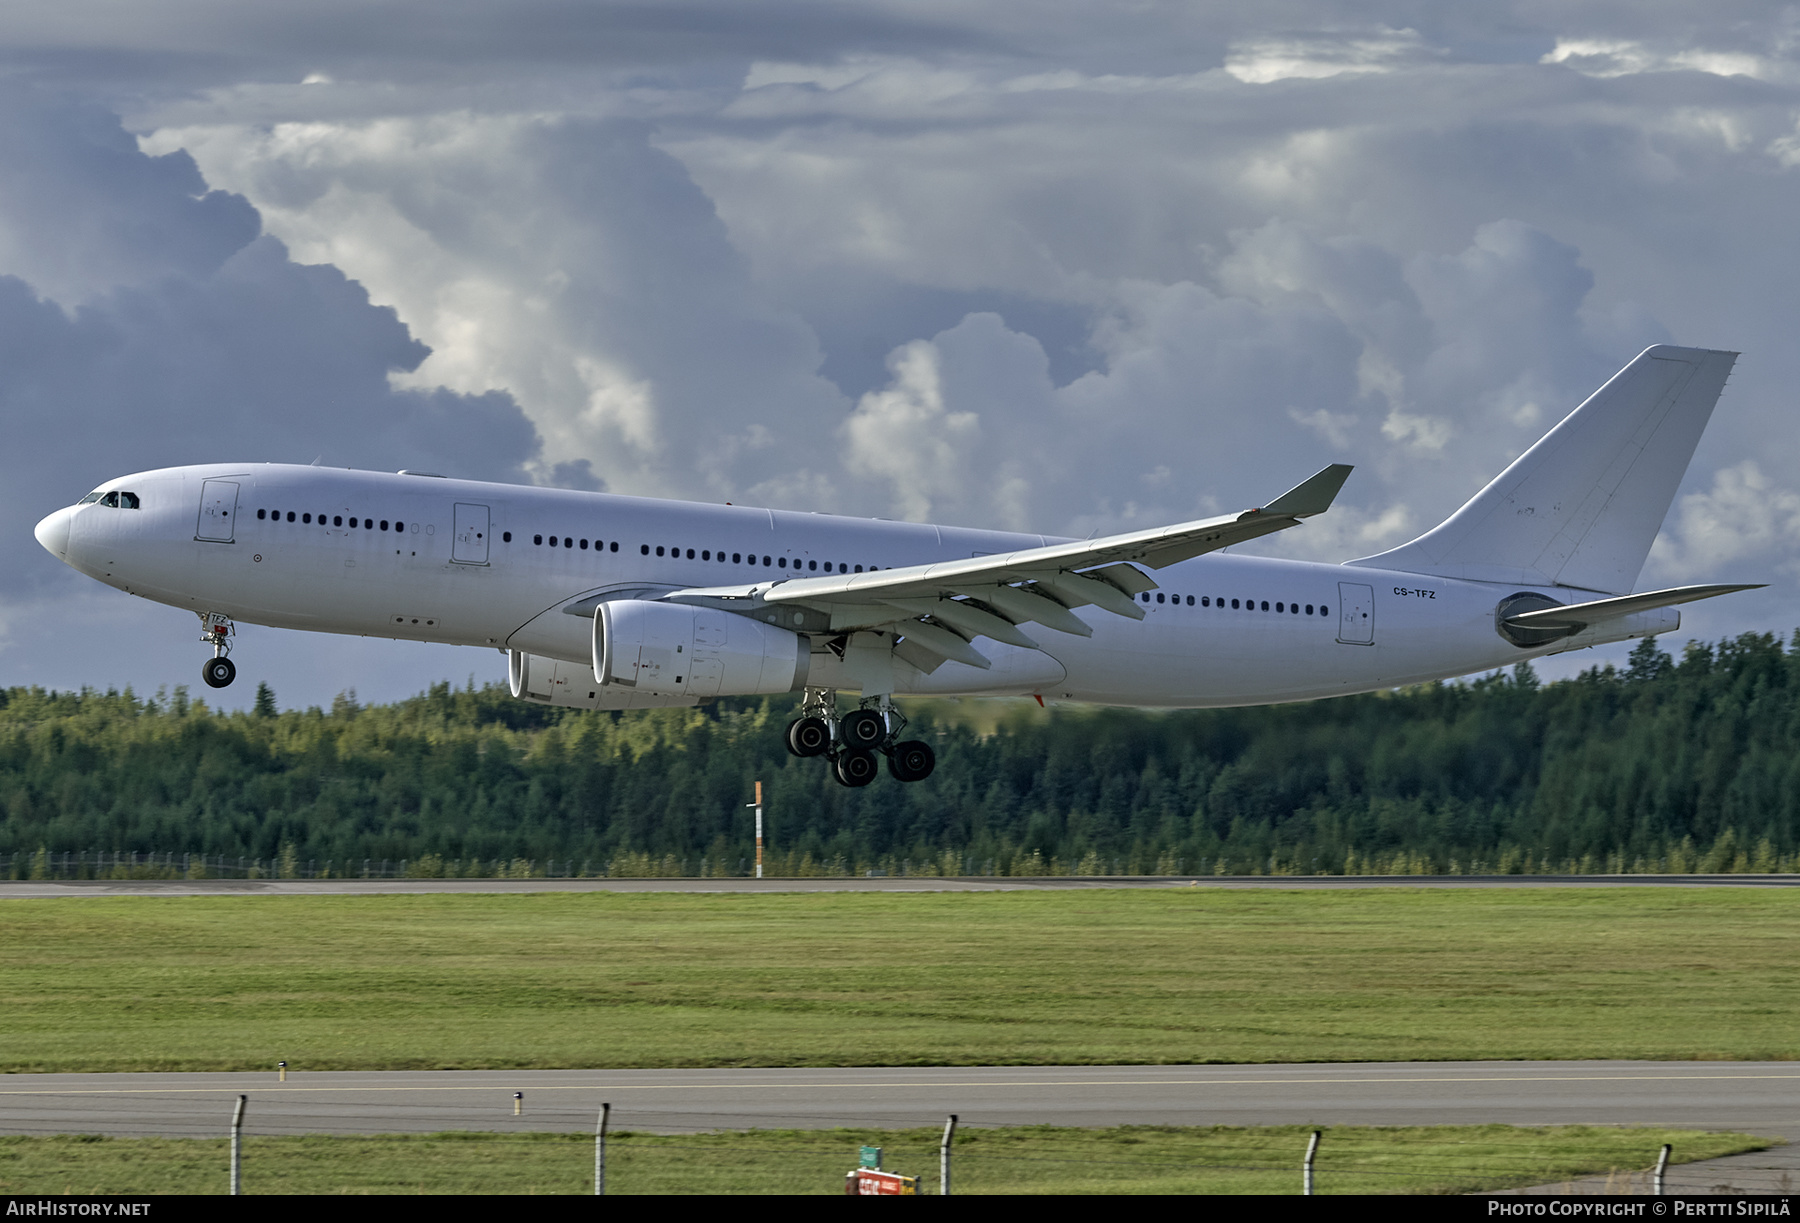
<point x="855" y="768"/>
<point x="218" y="672"/>
<point x="911" y="761"/>
<point x="808" y="737"/>
<point x="863" y="730"/>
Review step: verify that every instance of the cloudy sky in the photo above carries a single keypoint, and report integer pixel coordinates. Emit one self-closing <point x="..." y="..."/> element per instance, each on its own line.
<point x="1052" y="265"/>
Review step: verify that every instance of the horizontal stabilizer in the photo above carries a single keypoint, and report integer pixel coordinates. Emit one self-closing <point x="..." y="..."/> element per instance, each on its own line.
<point x="1579" y="615"/>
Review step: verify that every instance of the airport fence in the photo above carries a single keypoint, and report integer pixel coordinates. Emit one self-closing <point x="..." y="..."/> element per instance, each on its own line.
<point x="256" y="1143"/>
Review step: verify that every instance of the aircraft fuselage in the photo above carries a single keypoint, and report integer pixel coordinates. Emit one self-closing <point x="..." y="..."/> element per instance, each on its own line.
<point x="426" y="558"/>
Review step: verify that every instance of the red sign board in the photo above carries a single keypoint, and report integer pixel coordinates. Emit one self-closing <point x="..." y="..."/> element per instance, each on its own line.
<point x="865" y="1181"/>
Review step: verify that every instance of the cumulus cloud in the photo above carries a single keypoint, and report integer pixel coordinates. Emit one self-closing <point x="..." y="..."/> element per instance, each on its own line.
<point x="1431" y="373"/>
<point x="566" y="262"/>
<point x="186" y="339"/>
<point x="1744" y="516"/>
<point x="1015" y="264"/>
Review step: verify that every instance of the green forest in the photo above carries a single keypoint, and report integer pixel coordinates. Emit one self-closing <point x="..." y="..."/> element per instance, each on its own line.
<point x="1666" y="766"/>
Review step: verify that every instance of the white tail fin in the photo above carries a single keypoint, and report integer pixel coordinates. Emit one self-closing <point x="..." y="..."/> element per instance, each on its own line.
<point x="1582" y="507"/>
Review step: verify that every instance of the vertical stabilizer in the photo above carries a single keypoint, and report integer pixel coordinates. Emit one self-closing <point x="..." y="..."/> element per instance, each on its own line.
<point x="1582" y="507"/>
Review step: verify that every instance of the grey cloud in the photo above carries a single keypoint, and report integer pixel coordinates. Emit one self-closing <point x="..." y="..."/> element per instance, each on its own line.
<point x="576" y="266"/>
<point x="204" y="344"/>
<point x="1065" y="270"/>
<point x="1430" y="373"/>
<point x="82" y="210"/>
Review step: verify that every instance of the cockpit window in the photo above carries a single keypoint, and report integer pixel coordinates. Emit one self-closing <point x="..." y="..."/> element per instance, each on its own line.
<point x="91" y="498"/>
<point x="115" y="500"/>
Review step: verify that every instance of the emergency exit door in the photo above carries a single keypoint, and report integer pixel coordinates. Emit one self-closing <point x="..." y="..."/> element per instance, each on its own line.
<point x="469" y="542"/>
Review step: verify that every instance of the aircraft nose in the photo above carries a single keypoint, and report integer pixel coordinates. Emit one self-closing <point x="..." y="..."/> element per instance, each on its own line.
<point x="53" y="532"/>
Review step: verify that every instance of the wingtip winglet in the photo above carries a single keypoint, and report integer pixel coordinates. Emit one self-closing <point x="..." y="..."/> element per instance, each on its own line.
<point x="1311" y="496"/>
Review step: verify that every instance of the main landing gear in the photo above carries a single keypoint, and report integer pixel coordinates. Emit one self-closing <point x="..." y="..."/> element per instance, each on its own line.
<point x="852" y="741"/>
<point x="219" y="670"/>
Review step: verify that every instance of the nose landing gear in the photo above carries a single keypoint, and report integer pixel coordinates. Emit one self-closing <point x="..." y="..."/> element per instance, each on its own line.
<point x="852" y="742"/>
<point x="219" y="670"/>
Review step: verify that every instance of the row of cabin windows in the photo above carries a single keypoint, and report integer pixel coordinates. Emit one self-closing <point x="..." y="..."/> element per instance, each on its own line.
<point x="1292" y="609"/>
<point x="337" y="520"/>
<point x="566" y="542"/>
<point x="112" y="500"/>
<point x="705" y="554"/>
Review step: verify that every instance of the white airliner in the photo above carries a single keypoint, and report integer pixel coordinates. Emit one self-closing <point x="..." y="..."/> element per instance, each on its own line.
<point x="607" y="602"/>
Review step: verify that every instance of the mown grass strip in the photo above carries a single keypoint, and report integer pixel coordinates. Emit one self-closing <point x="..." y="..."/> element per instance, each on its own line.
<point x="1096" y="977"/>
<point x="1015" y="1160"/>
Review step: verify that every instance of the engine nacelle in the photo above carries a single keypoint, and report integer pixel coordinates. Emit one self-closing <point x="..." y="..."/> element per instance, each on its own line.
<point x="676" y="650"/>
<point x="551" y="681"/>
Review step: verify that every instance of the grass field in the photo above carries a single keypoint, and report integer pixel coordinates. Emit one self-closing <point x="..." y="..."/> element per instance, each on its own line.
<point x="1031" y="1159"/>
<point x="658" y="979"/>
<point x="895" y="978"/>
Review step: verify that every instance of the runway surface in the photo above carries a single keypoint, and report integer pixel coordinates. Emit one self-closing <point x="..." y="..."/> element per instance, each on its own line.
<point x="40" y="889"/>
<point x="1758" y="1097"/>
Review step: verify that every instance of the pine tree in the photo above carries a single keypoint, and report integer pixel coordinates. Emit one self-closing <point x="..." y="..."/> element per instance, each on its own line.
<point x="1648" y="663"/>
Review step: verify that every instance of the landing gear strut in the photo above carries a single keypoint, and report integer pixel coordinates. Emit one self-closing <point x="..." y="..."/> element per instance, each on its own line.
<point x="852" y="741"/>
<point x="219" y="670"/>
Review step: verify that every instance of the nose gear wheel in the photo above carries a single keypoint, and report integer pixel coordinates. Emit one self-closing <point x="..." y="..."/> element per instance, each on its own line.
<point x="217" y="632"/>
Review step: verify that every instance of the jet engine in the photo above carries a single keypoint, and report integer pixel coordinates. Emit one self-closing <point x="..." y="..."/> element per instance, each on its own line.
<point x="677" y="650"/>
<point x="551" y="681"/>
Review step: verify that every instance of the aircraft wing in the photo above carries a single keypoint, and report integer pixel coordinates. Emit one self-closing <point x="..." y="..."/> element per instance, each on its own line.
<point x="937" y="609"/>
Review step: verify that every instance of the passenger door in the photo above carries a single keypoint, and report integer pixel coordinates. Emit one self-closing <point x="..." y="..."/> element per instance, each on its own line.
<point x="1356" y="614"/>
<point x="218" y="507"/>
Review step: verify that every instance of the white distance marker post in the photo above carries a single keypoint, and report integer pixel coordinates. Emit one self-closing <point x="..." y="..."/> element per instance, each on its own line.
<point x="758" y="805"/>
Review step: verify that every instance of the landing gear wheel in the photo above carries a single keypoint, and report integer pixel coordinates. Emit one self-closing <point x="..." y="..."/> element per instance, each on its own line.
<point x="218" y="672"/>
<point x="863" y="729"/>
<point x="911" y="761"/>
<point x="855" y="768"/>
<point x="808" y="737"/>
